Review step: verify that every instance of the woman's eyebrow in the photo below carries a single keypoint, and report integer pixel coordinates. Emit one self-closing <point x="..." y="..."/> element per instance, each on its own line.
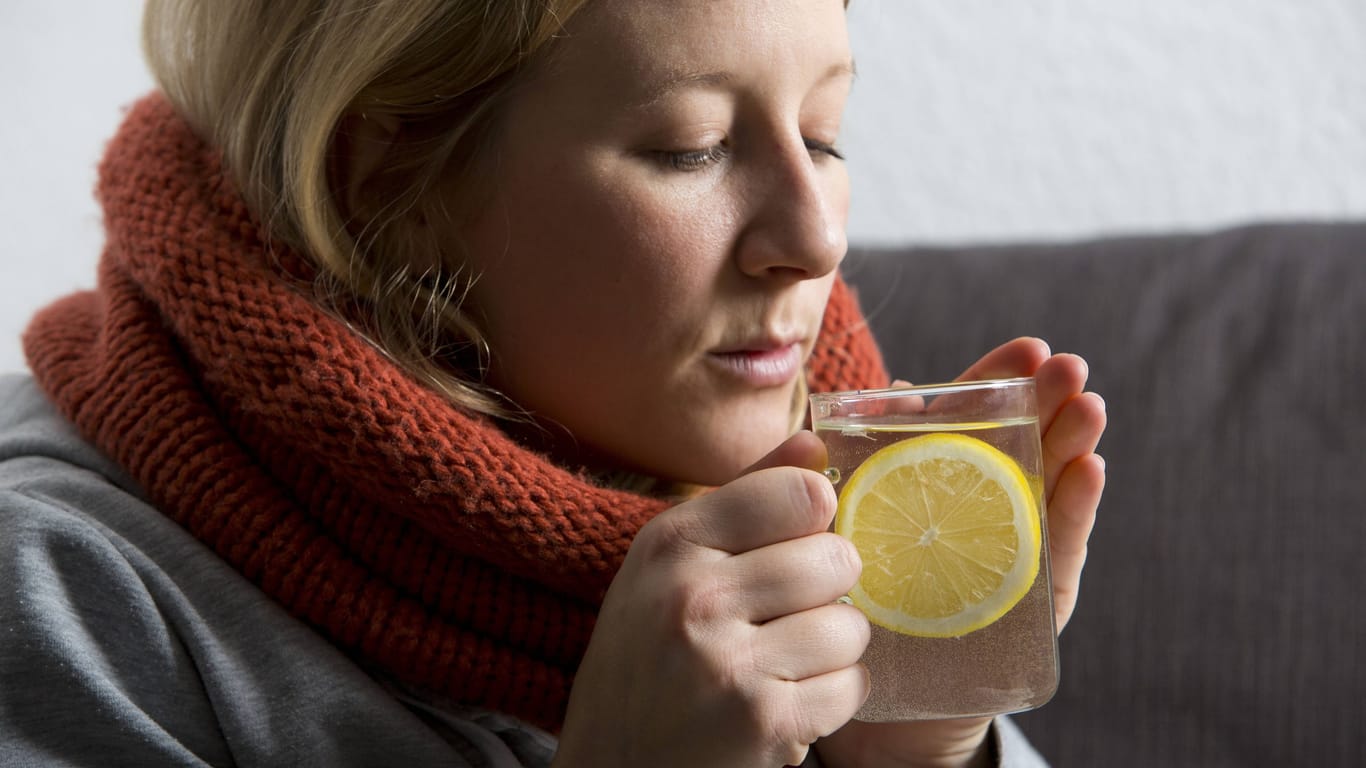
<point x="711" y="80"/>
<point x="658" y="92"/>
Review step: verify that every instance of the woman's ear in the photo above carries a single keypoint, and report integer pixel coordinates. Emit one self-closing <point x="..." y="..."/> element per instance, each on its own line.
<point x="361" y="144"/>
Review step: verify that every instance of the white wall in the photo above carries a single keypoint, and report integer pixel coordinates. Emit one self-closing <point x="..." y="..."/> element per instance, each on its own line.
<point x="989" y="120"/>
<point x="67" y="67"/>
<point x="972" y="120"/>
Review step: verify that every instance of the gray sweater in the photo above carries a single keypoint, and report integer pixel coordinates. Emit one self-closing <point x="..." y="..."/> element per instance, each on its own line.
<point x="124" y="641"/>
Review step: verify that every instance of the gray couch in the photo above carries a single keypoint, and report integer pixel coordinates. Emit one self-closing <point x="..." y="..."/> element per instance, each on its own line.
<point x="1223" y="611"/>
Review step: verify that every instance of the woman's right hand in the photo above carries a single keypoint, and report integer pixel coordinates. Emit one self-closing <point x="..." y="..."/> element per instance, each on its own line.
<point x="719" y="642"/>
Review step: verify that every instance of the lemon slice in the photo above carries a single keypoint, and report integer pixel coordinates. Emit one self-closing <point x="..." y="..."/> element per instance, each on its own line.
<point x="948" y="529"/>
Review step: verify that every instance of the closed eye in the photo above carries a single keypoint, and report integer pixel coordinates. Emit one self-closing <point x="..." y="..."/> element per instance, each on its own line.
<point x="694" y="159"/>
<point x="700" y="159"/>
<point x="815" y="145"/>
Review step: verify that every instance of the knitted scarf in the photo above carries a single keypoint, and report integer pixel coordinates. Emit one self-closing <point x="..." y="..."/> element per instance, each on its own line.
<point x="418" y="537"/>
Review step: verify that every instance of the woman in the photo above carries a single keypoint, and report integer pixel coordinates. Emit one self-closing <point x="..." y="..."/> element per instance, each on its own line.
<point x="468" y="342"/>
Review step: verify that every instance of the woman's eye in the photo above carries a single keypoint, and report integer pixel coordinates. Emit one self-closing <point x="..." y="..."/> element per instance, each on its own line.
<point x="815" y="145"/>
<point x="700" y="159"/>
<point x="694" y="159"/>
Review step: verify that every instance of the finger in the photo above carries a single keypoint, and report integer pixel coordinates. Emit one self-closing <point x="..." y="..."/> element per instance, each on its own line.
<point x="830" y="700"/>
<point x="931" y="738"/>
<point x="802" y="449"/>
<point x="1071" y="516"/>
<point x="812" y="642"/>
<point x="905" y="404"/>
<point x="1017" y="357"/>
<point x="759" y="509"/>
<point x="1074" y="433"/>
<point x="791" y="576"/>
<point x="1059" y="379"/>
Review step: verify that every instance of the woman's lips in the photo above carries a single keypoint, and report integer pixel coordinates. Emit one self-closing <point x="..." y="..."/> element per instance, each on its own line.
<point x="764" y="367"/>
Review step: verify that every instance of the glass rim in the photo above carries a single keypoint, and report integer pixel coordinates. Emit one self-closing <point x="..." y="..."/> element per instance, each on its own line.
<point x="919" y="389"/>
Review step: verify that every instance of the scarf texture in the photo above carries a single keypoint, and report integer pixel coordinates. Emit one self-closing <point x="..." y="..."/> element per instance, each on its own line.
<point x="416" y="536"/>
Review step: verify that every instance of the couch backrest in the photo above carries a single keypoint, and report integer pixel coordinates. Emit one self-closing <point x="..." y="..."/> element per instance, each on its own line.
<point x="1223" y="612"/>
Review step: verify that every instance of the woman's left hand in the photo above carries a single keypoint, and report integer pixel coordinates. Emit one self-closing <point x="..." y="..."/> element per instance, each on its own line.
<point x="1071" y="422"/>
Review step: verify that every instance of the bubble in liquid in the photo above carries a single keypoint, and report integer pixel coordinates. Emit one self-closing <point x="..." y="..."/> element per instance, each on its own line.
<point x="832" y="474"/>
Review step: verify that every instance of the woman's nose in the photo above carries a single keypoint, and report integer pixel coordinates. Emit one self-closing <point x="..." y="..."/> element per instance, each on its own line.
<point x="798" y="208"/>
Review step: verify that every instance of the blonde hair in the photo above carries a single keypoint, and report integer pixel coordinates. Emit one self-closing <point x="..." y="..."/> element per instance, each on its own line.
<point x="269" y="83"/>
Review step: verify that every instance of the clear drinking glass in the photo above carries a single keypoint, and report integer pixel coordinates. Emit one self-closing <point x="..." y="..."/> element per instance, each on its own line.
<point x="941" y="490"/>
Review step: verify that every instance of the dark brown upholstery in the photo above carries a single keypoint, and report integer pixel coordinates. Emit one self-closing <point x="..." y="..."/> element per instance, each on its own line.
<point x="1223" y="611"/>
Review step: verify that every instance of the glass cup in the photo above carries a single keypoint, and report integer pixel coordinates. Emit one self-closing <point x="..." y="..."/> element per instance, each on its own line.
<point x="941" y="491"/>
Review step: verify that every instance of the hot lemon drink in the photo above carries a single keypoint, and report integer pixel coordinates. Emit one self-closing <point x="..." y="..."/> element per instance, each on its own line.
<point x="943" y="498"/>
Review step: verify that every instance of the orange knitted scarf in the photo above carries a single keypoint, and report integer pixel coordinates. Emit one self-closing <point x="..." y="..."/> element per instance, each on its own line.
<point x="417" y="537"/>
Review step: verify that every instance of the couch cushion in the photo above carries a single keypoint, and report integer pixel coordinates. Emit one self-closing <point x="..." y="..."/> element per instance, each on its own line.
<point x="1222" y="618"/>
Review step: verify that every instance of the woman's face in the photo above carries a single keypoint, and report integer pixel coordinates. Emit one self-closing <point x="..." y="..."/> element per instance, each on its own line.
<point x="666" y="218"/>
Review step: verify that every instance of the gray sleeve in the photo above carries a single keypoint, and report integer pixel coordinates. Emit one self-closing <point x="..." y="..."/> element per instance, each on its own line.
<point x="1013" y="750"/>
<point x="92" y="674"/>
<point x="109" y="659"/>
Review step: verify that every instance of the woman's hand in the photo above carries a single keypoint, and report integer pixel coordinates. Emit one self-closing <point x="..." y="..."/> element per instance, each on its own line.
<point x="1071" y="422"/>
<point x="719" y="642"/>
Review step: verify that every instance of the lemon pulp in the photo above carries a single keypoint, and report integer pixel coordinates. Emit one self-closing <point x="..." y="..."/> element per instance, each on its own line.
<point x="948" y="529"/>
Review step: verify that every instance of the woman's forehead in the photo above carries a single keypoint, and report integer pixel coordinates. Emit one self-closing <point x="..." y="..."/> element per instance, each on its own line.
<point x="654" y="47"/>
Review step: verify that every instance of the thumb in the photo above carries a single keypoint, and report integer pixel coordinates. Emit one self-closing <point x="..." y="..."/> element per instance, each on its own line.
<point x="803" y="450"/>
